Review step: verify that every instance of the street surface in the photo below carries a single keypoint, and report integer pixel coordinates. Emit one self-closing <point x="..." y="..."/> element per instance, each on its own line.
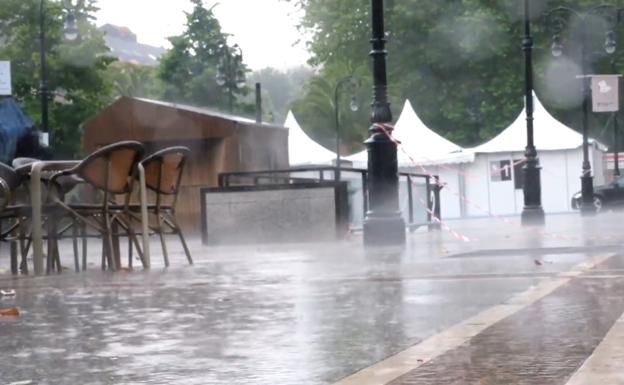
<point x="499" y="304"/>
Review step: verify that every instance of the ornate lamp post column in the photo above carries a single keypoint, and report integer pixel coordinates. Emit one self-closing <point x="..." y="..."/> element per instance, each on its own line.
<point x="43" y="80"/>
<point x="383" y="224"/>
<point x="532" y="213"/>
<point x="71" y="33"/>
<point x="557" y="19"/>
<point x="616" y="148"/>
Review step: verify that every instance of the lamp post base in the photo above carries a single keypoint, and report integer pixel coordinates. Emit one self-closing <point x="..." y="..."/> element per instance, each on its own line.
<point x="587" y="199"/>
<point x="532" y="216"/>
<point x="587" y="210"/>
<point x="384" y="230"/>
<point x="532" y="213"/>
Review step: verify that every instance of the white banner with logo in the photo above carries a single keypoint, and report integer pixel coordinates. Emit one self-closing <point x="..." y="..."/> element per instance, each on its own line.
<point x="605" y="93"/>
<point x="5" y="78"/>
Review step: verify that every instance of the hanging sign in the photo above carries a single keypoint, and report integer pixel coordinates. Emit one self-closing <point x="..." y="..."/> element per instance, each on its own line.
<point x="500" y="170"/>
<point x="5" y="77"/>
<point x="605" y="93"/>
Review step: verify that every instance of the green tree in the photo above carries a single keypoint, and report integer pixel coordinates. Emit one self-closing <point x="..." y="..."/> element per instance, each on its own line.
<point x="188" y="70"/>
<point x="75" y="69"/>
<point x="316" y="109"/>
<point x="280" y="89"/>
<point x="459" y="62"/>
<point x="134" y="80"/>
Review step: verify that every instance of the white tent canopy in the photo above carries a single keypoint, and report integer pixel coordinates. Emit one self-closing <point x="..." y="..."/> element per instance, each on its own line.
<point x="550" y="134"/>
<point x="419" y="144"/>
<point x="303" y="150"/>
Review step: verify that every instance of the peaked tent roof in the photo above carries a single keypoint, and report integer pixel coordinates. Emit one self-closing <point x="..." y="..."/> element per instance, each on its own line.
<point x="420" y="144"/>
<point x="550" y="134"/>
<point x="303" y="150"/>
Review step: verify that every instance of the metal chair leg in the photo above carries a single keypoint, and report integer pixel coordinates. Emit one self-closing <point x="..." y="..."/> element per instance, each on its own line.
<point x="56" y="255"/>
<point x="108" y="240"/>
<point x="14" y="267"/>
<point x="116" y="244"/>
<point x="162" y="238"/>
<point x="83" y="231"/>
<point x="24" y="245"/>
<point x="133" y="240"/>
<point x="75" y="244"/>
<point x="178" y="230"/>
<point x="103" y="253"/>
<point x="50" y="248"/>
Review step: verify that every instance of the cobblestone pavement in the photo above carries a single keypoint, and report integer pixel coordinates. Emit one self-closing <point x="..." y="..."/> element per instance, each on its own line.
<point x="303" y="314"/>
<point x="543" y="344"/>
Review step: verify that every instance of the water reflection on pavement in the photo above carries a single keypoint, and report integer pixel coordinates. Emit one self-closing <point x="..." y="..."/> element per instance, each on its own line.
<point x="250" y="315"/>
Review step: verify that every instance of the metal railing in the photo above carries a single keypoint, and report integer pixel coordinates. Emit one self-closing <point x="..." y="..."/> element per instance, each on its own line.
<point x="320" y="174"/>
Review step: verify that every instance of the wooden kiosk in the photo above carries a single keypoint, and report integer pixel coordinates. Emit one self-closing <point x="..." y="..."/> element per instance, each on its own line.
<point x="218" y="143"/>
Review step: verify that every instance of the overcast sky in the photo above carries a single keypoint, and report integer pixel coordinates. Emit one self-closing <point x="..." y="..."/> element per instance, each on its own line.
<point x="264" y="29"/>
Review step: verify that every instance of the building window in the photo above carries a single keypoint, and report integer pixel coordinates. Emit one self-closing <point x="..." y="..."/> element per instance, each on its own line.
<point x="500" y="171"/>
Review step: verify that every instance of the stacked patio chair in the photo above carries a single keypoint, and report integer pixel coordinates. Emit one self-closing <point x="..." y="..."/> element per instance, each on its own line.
<point x="13" y="215"/>
<point x="163" y="173"/>
<point x="109" y="171"/>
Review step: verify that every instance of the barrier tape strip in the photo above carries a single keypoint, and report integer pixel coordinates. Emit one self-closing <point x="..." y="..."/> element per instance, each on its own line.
<point x="462" y="237"/>
<point x="384" y="127"/>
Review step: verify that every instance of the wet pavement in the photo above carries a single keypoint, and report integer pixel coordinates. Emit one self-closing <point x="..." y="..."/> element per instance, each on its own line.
<point x="314" y="314"/>
<point x="543" y="344"/>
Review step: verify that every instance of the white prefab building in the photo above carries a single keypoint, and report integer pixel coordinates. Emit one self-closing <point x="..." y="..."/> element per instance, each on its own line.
<point x="493" y="181"/>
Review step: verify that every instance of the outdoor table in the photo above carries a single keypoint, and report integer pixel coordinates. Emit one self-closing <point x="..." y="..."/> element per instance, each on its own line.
<point x="37" y="172"/>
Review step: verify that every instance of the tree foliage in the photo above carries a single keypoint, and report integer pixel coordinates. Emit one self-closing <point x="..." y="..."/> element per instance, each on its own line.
<point x="75" y="69"/>
<point x="188" y="70"/>
<point x="460" y="62"/>
<point x="134" y="80"/>
<point x="280" y="89"/>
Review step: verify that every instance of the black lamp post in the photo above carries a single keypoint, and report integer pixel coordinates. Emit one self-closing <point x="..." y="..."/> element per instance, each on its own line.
<point x="616" y="155"/>
<point x="532" y="213"/>
<point x="349" y="80"/>
<point x="71" y="33"/>
<point x="230" y="73"/>
<point x="383" y="224"/>
<point x="558" y="19"/>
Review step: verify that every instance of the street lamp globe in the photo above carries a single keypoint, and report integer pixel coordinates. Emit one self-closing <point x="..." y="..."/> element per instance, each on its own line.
<point x="355" y="104"/>
<point x="556" y="48"/>
<point x="220" y="78"/>
<point x="70" y="29"/>
<point x="610" y="44"/>
<point x="241" y="81"/>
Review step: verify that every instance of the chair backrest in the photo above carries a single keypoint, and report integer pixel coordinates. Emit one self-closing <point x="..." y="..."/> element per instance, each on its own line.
<point x="12" y="178"/>
<point x="163" y="169"/>
<point x="23" y="161"/>
<point x="110" y="167"/>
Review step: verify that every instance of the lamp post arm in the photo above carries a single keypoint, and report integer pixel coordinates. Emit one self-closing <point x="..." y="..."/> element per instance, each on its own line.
<point x="558" y="18"/>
